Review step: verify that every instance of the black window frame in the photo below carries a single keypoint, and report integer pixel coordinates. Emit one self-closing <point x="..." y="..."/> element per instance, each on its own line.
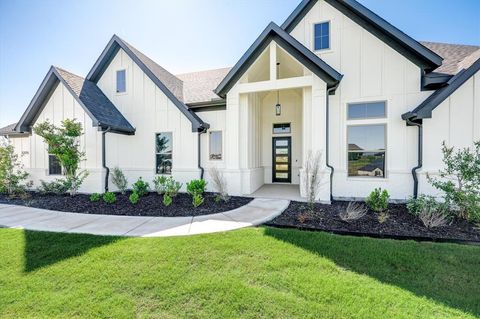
<point x="157" y="154"/>
<point x="315" y="36"/>
<point x="289" y="125"/>
<point x="54" y="166"/>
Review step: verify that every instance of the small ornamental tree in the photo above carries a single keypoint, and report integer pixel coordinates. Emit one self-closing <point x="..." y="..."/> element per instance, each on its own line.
<point x="12" y="175"/>
<point x="460" y="180"/>
<point x="63" y="142"/>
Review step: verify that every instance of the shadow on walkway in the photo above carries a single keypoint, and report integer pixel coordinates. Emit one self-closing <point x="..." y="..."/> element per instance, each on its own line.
<point x="446" y="273"/>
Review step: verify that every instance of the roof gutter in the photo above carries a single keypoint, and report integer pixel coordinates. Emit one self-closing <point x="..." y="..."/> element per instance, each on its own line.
<point x="104" y="160"/>
<point x="419" y="156"/>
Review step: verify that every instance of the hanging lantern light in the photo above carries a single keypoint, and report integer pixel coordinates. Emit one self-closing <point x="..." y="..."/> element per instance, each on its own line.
<point x="278" y="106"/>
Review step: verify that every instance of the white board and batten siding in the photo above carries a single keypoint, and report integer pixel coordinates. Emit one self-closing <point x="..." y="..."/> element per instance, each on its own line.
<point x="372" y="71"/>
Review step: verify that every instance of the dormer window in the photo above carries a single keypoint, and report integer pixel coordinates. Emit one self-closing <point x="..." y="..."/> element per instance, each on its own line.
<point x="121" y="81"/>
<point x="321" y="36"/>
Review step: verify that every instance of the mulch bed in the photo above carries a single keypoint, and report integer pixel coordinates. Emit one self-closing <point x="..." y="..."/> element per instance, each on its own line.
<point x="149" y="205"/>
<point x="399" y="223"/>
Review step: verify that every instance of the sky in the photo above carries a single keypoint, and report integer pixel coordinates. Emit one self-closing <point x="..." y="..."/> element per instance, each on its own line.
<point x="180" y="35"/>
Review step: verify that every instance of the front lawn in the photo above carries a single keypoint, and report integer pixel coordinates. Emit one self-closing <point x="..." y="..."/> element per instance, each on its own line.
<point x="256" y="272"/>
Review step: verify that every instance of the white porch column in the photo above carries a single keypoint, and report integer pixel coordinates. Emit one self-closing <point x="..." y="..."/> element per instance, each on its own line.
<point x="273" y="61"/>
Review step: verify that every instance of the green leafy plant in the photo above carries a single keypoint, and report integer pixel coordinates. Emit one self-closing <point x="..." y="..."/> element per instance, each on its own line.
<point x="167" y="200"/>
<point x="141" y="187"/>
<point x="63" y="142"/>
<point x="95" y="197"/>
<point x="57" y="186"/>
<point x="196" y="187"/>
<point x="378" y="200"/>
<point x="197" y="200"/>
<point x="460" y="181"/>
<point x="166" y="185"/>
<point x="426" y="203"/>
<point x="119" y="180"/>
<point x="109" y="198"/>
<point x="12" y="175"/>
<point x="134" y="198"/>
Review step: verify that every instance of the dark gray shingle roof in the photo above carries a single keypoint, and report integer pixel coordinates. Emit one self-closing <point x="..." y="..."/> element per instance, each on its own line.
<point x="98" y="105"/>
<point x="9" y="129"/>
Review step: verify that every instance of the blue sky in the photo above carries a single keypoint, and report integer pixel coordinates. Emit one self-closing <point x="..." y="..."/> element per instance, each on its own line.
<point x="207" y="34"/>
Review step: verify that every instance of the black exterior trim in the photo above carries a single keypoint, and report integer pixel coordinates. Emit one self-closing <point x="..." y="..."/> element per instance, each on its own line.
<point x="109" y="53"/>
<point x="215" y="105"/>
<point x="424" y="110"/>
<point x="274" y="33"/>
<point x="43" y="94"/>
<point x="434" y="81"/>
<point x="274" y="155"/>
<point x="399" y="41"/>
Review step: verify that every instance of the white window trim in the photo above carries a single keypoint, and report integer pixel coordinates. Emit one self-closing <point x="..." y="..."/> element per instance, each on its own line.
<point x="126" y="81"/>
<point x="329" y="49"/>
<point x="155" y="153"/>
<point x="209" y="147"/>
<point x="367" y="122"/>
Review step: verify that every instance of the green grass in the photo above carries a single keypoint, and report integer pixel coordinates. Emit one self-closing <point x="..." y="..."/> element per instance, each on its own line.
<point x="261" y="272"/>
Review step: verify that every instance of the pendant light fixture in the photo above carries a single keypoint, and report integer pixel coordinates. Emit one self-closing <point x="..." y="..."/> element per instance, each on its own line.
<point x="278" y="107"/>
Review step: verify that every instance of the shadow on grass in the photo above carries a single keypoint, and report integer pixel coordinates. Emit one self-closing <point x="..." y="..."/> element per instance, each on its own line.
<point x="43" y="249"/>
<point x="448" y="274"/>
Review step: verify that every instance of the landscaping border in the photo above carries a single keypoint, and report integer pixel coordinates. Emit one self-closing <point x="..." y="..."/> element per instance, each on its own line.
<point x="381" y="236"/>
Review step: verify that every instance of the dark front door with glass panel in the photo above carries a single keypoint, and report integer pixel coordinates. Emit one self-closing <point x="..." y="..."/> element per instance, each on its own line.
<point x="282" y="166"/>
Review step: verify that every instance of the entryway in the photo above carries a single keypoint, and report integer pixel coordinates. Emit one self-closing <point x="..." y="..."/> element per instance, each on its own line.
<point x="279" y="191"/>
<point x="282" y="159"/>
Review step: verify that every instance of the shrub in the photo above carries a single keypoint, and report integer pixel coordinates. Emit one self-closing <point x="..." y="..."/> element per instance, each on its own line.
<point x="433" y="218"/>
<point x="378" y="200"/>
<point x="167" y="185"/>
<point x="313" y="179"/>
<point x="219" y="184"/>
<point x="95" y="197"/>
<point x="119" y="180"/>
<point x="57" y="186"/>
<point x="167" y="200"/>
<point x="12" y="175"/>
<point x="140" y="187"/>
<point x="196" y="187"/>
<point x="134" y="198"/>
<point x="63" y="142"/>
<point x="431" y="212"/>
<point x="354" y="211"/>
<point x="197" y="200"/>
<point x="460" y="181"/>
<point x="109" y="198"/>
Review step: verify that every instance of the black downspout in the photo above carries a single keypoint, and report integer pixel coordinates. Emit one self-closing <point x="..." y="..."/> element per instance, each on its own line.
<point x="202" y="171"/>
<point x="420" y="157"/>
<point x="104" y="160"/>
<point x="327" y="146"/>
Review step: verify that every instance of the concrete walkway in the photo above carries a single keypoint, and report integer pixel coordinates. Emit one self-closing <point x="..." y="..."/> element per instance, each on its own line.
<point x="255" y="213"/>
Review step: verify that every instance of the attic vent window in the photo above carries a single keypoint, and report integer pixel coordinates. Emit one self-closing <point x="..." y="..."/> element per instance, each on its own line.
<point x="322" y="36"/>
<point x="121" y="81"/>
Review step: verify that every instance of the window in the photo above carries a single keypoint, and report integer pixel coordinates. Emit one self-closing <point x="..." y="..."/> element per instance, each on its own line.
<point x="366" y="150"/>
<point x="359" y="111"/>
<point x="121" y="81"/>
<point x="322" y="36"/>
<point x="54" y="167"/>
<point x="281" y="128"/>
<point x="163" y="150"/>
<point x="215" y="145"/>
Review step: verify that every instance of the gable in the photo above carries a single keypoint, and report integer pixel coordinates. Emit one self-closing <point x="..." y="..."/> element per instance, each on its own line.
<point x="414" y="51"/>
<point x="95" y="104"/>
<point x="274" y="33"/>
<point x="170" y="85"/>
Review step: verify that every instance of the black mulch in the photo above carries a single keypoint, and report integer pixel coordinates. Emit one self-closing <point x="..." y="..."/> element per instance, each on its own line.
<point x="399" y="223"/>
<point x="149" y="205"/>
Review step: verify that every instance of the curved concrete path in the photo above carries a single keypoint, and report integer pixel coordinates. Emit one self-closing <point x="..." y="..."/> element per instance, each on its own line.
<point x="255" y="213"/>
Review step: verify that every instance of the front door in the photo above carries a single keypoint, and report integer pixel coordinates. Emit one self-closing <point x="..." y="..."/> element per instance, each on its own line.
<point x="282" y="157"/>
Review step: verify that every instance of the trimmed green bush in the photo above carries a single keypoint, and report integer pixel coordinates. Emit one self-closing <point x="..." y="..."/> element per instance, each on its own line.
<point x="134" y="198"/>
<point x="196" y="187"/>
<point x="57" y="186"/>
<point x="109" y="198"/>
<point x="378" y="200"/>
<point x="95" y="197"/>
<point x="167" y="200"/>
<point x="140" y="187"/>
<point x="197" y="200"/>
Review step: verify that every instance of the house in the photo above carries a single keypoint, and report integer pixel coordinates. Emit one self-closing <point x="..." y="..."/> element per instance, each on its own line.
<point x="334" y="78"/>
